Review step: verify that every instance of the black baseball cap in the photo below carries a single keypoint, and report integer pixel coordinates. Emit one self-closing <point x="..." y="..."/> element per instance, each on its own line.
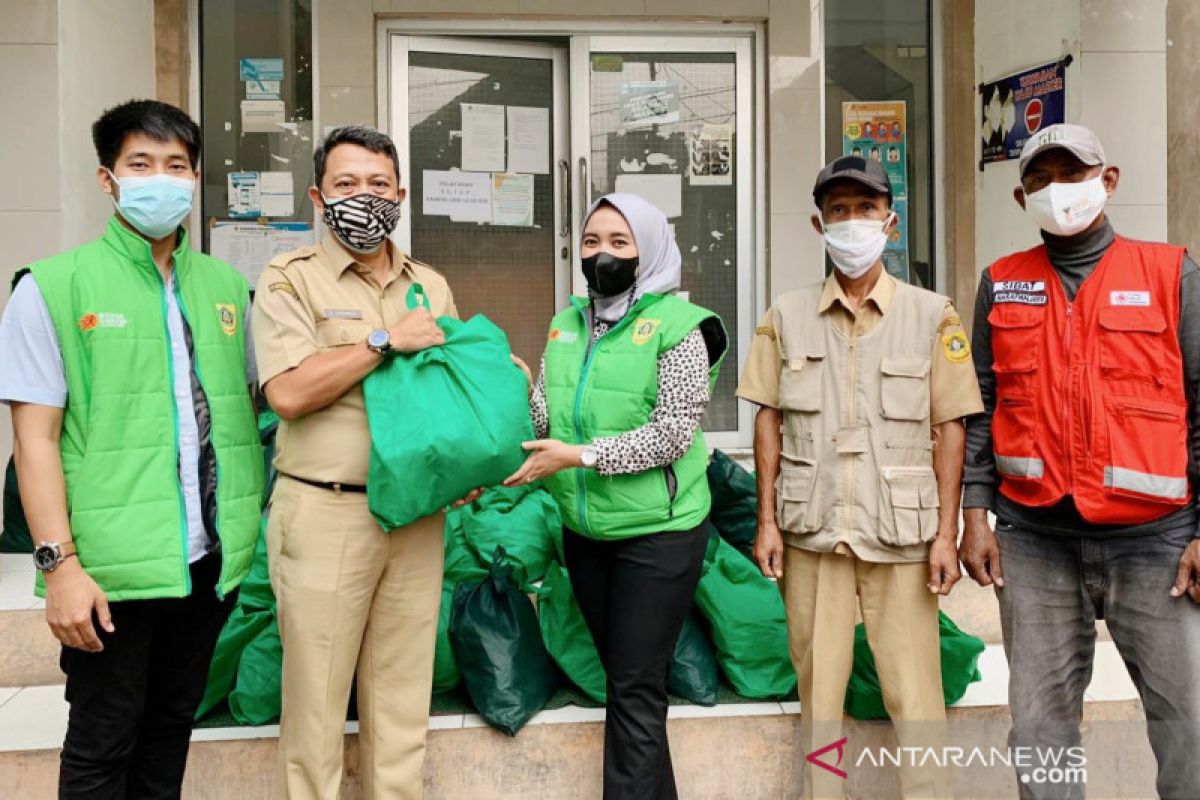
<point x="867" y="171"/>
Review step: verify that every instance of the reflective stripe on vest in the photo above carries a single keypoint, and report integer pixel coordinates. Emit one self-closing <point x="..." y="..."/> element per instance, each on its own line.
<point x="1145" y="483"/>
<point x="1017" y="467"/>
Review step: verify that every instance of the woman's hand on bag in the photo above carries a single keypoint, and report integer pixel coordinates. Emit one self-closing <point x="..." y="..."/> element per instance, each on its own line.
<point x="417" y="331"/>
<point x="471" y="497"/>
<point x="546" y="457"/>
<point x="528" y="372"/>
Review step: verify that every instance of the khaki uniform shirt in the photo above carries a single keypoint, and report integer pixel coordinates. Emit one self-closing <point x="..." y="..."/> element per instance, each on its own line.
<point x="314" y="300"/>
<point x="954" y="390"/>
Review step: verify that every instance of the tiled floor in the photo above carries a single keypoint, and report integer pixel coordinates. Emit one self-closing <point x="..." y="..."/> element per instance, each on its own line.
<point x="35" y="718"/>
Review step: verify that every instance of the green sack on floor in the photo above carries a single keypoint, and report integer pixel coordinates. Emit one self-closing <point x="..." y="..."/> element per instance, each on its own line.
<point x="256" y="699"/>
<point x="694" y="674"/>
<point x="445" y="668"/>
<point x="746" y="617"/>
<point x="566" y="634"/>
<point x="461" y="563"/>
<point x="444" y="421"/>
<point x="734" y="502"/>
<point x="523" y="520"/>
<point x="494" y="633"/>
<point x="15" y="538"/>
<point x="960" y="657"/>
<point x="240" y="629"/>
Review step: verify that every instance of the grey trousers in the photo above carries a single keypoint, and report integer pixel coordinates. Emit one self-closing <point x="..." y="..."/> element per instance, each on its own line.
<point x="1056" y="587"/>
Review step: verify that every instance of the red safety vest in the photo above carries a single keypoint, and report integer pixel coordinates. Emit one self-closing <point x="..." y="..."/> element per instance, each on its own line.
<point x="1089" y="394"/>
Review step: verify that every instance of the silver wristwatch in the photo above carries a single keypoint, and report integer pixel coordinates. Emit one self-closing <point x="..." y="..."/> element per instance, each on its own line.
<point x="48" y="556"/>
<point x="588" y="457"/>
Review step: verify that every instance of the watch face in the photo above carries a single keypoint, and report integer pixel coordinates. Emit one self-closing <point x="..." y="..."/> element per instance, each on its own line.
<point x="44" y="558"/>
<point x="378" y="338"/>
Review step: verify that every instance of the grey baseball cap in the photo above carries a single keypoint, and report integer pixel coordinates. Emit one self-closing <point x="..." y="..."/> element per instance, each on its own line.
<point x="867" y="171"/>
<point x="1080" y="141"/>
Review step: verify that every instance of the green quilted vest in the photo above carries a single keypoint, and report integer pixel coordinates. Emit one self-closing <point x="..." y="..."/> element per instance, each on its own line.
<point x="120" y="446"/>
<point x="612" y="389"/>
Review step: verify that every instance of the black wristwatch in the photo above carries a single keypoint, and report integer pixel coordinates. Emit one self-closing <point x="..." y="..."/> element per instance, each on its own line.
<point x="47" y="556"/>
<point x="380" y="341"/>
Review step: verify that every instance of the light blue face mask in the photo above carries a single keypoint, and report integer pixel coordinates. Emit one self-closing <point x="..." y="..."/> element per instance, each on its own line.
<point x="154" y="204"/>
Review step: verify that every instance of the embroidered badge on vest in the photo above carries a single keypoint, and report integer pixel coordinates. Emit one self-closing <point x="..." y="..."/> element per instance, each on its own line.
<point x="644" y="328"/>
<point x="956" y="346"/>
<point x="566" y="337"/>
<point x="1129" y="298"/>
<point x="104" y="319"/>
<point x="228" y="318"/>
<point x="1029" y="293"/>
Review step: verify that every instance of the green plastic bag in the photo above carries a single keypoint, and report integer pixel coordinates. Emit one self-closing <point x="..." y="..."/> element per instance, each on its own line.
<point x="461" y="563"/>
<point x="566" y="635"/>
<point x="494" y="633"/>
<point x="522" y="519"/>
<point x="444" y="421"/>
<point x="240" y="630"/>
<point x="694" y="674"/>
<point x="960" y="657"/>
<point x="257" y="697"/>
<point x="446" y="676"/>
<point x="734" y="502"/>
<point x="749" y="629"/>
<point x="15" y="538"/>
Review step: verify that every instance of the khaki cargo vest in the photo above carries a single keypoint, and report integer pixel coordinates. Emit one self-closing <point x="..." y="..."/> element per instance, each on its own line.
<point x="857" y="459"/>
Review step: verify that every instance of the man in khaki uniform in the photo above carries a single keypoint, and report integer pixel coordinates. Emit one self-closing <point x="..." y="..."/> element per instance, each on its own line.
<point x="863" y="383"/>
<point x="350" y="595"/>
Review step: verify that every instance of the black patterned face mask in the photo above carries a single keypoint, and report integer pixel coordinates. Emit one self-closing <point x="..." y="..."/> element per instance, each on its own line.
<point x="363" y="221"/>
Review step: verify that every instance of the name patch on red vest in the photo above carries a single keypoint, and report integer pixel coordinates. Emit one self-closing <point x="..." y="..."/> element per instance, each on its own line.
<point x="1029" y="293"/>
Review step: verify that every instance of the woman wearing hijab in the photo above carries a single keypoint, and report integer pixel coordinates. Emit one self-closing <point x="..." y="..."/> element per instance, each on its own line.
<point x="625" y="380"/>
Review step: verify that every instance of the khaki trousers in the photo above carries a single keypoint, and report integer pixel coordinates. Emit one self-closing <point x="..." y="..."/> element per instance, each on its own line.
<point x="900" y="614"/>
<point x="351" y="596"/>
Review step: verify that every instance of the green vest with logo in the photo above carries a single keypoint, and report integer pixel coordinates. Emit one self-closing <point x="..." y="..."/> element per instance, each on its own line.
<point x="120" y="448"/>
<point x="612" y="388"/>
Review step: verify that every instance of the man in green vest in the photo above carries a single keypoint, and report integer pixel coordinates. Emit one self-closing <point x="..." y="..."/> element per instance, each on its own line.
<point x="137" y="456"/>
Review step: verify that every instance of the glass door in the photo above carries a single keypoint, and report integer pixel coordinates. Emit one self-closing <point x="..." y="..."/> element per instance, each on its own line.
<point x="481" y="130"/>
<point x="670" y="118"/>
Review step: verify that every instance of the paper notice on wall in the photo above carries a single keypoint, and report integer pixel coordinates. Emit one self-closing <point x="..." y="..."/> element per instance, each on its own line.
<point x="249" y="247"/>
<point x="482" y="137"/>
<point x="710" y="154"/>
<point x="277" y="194"/>
<point x="528" y="140"/>
<point x="262" y="116"/>
<point x="264" y="90"/>
<point x="266" y="69"/>
<point x="245" y="195"/>
<point x="664" y="191"/>
<point x="649" y="103"/>
<point x="462" y="196"/>
<point x="512" y="199"/>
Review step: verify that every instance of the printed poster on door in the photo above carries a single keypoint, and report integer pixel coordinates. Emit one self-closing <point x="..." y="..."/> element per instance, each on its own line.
<point x="1018" y="106"/>
<point x="879" y="131"/>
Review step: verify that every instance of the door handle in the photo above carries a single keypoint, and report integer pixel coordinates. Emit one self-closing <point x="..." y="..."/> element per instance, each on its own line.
<point x="564" y="209"/>
<point x="585" y="188"/>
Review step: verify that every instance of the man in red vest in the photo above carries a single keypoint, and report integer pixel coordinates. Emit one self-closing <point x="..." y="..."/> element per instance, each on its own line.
<point x="1087" y="349"/>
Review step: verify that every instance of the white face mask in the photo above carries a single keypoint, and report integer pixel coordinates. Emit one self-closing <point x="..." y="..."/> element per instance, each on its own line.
<point x="856" y="244"/>
<point x="1064" y="209"/>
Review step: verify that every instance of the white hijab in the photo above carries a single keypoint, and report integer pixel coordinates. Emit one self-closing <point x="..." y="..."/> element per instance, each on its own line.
<point x="660" y="265"/>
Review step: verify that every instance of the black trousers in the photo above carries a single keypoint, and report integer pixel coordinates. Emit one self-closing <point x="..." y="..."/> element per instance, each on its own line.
<point x="634" y="594"/>
<point x="132" y="703"/>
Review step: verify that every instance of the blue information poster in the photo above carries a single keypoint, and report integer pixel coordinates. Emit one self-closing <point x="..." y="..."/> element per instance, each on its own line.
<point x="879" y="131"/>
<point x="1018" y="106"/>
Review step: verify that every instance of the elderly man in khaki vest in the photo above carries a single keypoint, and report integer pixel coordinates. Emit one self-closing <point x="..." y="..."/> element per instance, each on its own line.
<point x="863" y="382"/>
